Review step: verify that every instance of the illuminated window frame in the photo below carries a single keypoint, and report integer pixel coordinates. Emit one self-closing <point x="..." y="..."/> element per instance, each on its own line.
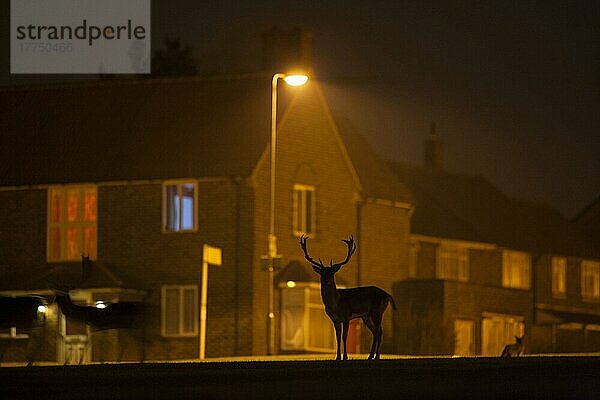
<point x="304" y="212"/>
<point x="181" y="289"/>
<point x="452" y="262"/>
<point x="516" y="269"/>
<point x="498" y="330"/>
<point x="63" y="225"/>
<point x="590" y="280"/>
<point x="559" y="276"/>
<point x="179" y="183"/>
<point x="464" y="329"/>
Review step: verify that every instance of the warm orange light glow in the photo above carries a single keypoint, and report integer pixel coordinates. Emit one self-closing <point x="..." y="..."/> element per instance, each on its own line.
<point x="296" y="80"/>
<point x="291" y="284"/>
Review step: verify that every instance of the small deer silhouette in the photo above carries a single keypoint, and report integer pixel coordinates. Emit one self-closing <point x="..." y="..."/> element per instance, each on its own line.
<point x="514" y="349"/>
<point x="120" y="315"/>
<point x="342" y="305"/>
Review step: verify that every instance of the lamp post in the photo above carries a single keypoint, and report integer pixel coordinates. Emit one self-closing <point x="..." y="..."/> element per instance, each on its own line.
<point x="293" y="80"/>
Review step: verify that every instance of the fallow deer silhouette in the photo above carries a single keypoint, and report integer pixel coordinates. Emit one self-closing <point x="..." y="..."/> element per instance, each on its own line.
<point x="342" y="305"/>
<point x="120" y="315"/>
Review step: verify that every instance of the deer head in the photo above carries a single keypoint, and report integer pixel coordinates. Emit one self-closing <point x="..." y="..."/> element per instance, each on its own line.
<point x="327" y="272"/>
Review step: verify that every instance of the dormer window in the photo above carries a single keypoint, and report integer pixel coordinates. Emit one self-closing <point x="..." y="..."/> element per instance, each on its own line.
<point x="304" y="210"/>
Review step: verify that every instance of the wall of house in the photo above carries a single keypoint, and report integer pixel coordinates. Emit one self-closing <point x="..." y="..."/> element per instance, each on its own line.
<point x="132" y="245"/>
<point x="485" y="267"/>
<point x="572" y="297"/>
<point x="425" y="260"/>
<point x="22" y="229"/>
<point x="575" y="327"/>
<point x="471" y="301"/>
<point x="425" y="322"/>
<point x="384" y="234"/>
<point x="419" y="318"/>
<point x="131" y="242"/>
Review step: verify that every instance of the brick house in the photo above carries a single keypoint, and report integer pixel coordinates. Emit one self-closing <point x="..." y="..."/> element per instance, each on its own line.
<point x="143" y="174"/>
<point x="485" y="267"/>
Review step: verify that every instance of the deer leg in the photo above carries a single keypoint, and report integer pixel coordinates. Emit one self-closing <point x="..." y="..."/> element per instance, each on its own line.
<point x="338" y="336"/>
<point x="379" y="337"/>
<point x="378" y="333"/>
<point x="345" y="325"/>
<point x="371" y="327"/>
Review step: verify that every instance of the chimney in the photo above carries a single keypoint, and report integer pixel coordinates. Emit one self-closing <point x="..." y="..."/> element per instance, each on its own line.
<point x="285" y="51"/>
<point x="434" y="151"/>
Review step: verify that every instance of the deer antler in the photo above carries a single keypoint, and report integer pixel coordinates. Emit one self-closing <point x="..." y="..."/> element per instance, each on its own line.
<point x="351" y="249"/>
<point x="317" y="266"/>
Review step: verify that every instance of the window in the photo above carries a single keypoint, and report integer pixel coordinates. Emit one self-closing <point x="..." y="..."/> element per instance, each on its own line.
<point x="452" y="263"/>
<point x="180" y="203"/>
<point x="179" y="311"/>
<point x="304" y="324"/>
<point x="516" y="269"/>
<point x="590" y="279"/>
<point x="559" y="276"/>
<point x="464" y="344"/>
<point x="499" y="330"/>
<point x="11" y="333"/>
<point x="304" y="210"/>
<point x="72" y="223"/>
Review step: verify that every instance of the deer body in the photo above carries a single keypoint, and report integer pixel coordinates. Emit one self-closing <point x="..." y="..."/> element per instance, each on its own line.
<point x="342" y="305"/>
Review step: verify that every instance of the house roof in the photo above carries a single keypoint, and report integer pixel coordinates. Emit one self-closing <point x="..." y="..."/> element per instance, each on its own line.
<point x="61" y="276"/>
<point x="376" y="178"/>
<point x="464" y="207"/>
<point x="134" y="129"/>
<point x="588" y="220"/>
<point x="141" y="129"/>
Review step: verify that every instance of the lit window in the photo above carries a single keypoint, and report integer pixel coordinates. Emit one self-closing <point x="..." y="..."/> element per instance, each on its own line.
<point x="72" y="223"/>
<point x="516" y="269"/>
<point x="559" y="276"/>
<point x="590" y="279"/>
<point x="180" y="206"/>
<point x="452" y="263"/>
<point x="304" y="210"/>
<point x="304" y="324"/>
<point x="179" y="310"/>
<point x="499" y="330"/>
<point x="464" y="343"/>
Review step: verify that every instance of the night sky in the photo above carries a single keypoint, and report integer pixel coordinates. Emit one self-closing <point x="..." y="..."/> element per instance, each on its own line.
<point x="513" y="87"/>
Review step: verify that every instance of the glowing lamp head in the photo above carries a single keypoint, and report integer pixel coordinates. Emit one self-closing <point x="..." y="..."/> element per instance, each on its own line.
<point x="42" y="309"/>
<point x="100" y="304"/>
<point x="295" y="80"/>
<point x="291" y="284"/>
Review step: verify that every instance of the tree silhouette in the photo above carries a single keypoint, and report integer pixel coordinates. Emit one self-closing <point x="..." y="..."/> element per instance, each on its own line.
<point x="173" y="59"/>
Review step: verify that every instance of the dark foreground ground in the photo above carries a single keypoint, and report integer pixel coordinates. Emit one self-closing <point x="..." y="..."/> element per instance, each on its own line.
<point x="480" y="378"/>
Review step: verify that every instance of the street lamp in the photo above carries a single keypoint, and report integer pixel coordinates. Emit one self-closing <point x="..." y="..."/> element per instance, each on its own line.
<point x="293" y="80"/>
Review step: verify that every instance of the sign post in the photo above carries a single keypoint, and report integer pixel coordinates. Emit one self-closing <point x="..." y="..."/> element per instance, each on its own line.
<point x="213" y="256"/>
